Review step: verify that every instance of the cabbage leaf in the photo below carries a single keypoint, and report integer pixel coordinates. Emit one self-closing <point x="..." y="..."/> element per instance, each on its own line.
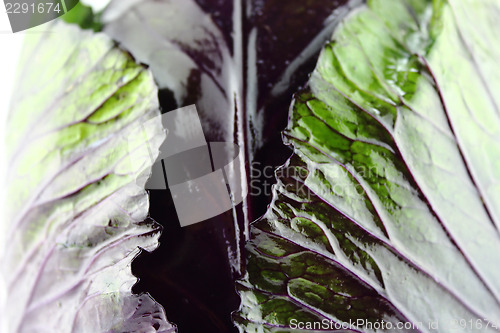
<point x="80" y="130"/>
<point x="389" y="209"/>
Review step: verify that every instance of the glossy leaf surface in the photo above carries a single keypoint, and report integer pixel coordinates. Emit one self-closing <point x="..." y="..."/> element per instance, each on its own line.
<point x="389" y="209"/>
<point x="78" y="140"/>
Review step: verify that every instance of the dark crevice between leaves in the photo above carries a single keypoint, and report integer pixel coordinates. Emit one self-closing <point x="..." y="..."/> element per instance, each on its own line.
<point x="190" y="273"/>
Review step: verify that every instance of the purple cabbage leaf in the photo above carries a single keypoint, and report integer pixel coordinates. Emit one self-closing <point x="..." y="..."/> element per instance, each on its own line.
<point x="388" y="212"/>
<point x="80" y="128"/>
